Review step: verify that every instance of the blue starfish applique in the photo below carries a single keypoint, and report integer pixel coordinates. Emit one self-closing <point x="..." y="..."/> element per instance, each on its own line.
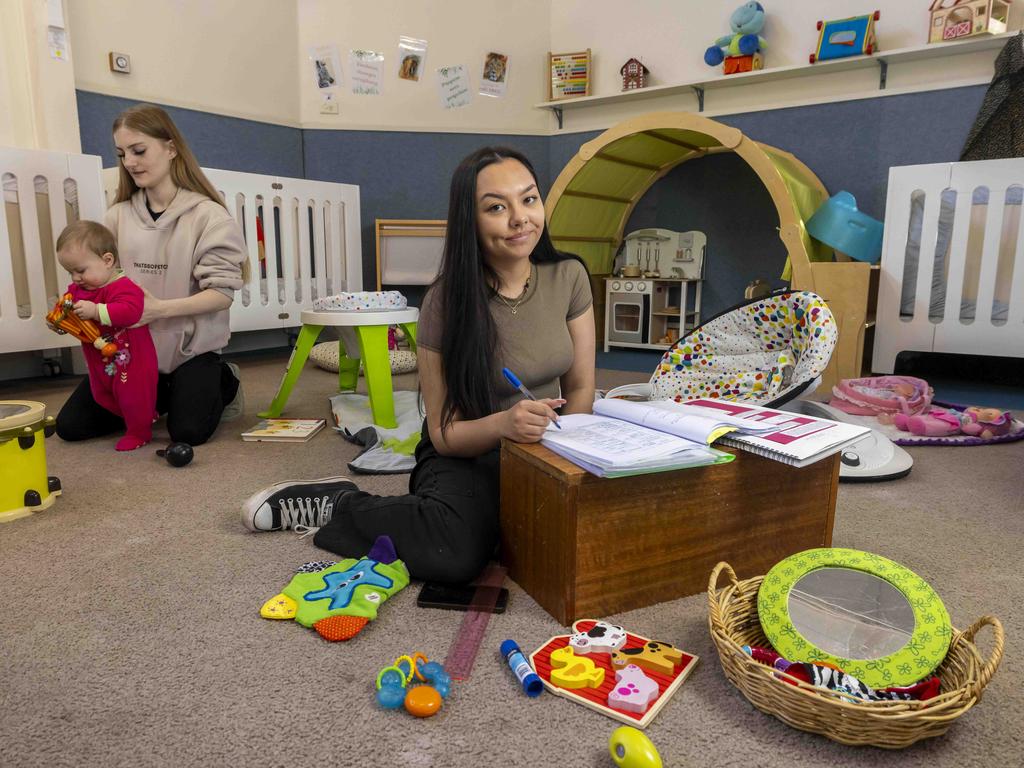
<point x="340" y="585"/>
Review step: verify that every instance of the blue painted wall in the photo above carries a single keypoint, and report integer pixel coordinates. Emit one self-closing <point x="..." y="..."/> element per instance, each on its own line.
<point x="850" y="145"/>
<point x="403" y="175"/>
<point x="217" y="141"/>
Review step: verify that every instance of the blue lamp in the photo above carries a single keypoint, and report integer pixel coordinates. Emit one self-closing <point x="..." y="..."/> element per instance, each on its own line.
<point x="839" y="225"/>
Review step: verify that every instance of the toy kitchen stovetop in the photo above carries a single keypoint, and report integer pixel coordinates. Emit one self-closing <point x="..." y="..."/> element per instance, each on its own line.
<point x="646" y="309"/>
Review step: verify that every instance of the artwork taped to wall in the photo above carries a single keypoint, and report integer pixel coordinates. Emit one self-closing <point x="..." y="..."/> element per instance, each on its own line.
<point x="326" y="66"/>
<point x="412" y="53"/>
<point x="453" y="86"/>
<point x="366" y="68"/>
<point x="569" y="75"/>
<point x="494" y="80"/>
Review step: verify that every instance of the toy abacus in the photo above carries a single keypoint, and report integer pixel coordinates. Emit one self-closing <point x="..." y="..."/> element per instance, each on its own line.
<point x="62" y="319"/>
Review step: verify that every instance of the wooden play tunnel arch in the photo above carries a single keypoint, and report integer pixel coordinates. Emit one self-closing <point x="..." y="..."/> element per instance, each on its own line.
<point x="592" y="199"/>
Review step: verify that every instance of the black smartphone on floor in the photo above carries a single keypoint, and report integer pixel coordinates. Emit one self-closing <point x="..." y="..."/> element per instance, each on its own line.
<point x="461" y="598"/>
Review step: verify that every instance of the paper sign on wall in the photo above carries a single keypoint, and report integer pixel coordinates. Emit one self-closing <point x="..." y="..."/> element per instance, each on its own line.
<point x="453" y="86"/>
<point x="366" y="69"/>
<point x="412" y="55"/>
<point x="326" y="64"/>
<point x="494" y="80"/>
<point x="57" y="42"/>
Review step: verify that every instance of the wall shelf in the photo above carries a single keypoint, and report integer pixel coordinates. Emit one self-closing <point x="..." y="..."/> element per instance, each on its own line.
<point x="881" y="60"/>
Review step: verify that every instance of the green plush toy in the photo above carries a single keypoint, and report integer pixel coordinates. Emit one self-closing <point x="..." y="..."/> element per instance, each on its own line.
<point x="339" y="599"/>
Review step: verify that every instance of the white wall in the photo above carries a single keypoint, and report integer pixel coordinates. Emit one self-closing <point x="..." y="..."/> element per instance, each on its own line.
<point x="37" y="91"/>
<point x="249" y="58"/>
<point x="228" y="57"/>
<point x="457" y="32"/>
<point x="670" y="37"/>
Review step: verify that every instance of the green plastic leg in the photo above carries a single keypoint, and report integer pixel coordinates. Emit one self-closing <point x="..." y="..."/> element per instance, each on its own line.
<point x="410" y="334"/>
<point x="307" y="337"/>
<point x="377" y="368"/>
<point x="348" y="370"/>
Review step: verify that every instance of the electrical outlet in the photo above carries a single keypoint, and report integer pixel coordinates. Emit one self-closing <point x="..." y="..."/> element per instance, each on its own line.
<point x="328" y="103"/>
<point x="120" y="62"/>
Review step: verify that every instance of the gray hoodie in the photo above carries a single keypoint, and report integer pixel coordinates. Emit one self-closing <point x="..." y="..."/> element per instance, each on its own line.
<point x="194" y="245"/>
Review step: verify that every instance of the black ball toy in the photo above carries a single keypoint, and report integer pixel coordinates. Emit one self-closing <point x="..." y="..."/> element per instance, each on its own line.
<point x="177" y="454"/>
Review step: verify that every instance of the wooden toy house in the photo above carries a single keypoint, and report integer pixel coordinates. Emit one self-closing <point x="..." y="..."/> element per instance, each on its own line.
<point x="954" y="19"/>
<point x="634" y="75"/>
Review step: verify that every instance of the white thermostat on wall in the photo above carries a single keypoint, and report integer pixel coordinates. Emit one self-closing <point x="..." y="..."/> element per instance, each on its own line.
<point x="120" y="62"/>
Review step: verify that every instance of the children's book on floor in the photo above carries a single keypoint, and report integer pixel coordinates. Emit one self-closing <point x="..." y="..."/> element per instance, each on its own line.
<point x="283" y="430"/>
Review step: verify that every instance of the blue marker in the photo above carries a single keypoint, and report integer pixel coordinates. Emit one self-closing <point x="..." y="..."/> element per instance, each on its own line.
<point x="532" y="685"/>
<point x="515" y="382"/>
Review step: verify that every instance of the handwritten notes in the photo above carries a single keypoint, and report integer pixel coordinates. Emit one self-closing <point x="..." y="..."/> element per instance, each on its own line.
<point x="453" y="86"/>
<point x="366" y="70"/>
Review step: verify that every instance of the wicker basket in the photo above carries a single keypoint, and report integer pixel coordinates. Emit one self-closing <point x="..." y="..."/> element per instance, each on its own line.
<point x="732" y="618"/>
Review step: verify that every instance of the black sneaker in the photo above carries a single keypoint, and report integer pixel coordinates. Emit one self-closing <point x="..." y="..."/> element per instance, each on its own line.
<point x="302" y="505"/>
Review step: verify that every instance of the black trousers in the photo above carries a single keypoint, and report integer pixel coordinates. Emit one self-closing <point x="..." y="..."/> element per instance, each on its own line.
<point x="193" y="396"/>
<point x="445" y="529"/>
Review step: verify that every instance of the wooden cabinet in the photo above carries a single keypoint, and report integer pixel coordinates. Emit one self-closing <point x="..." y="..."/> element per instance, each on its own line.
<point x="586" y="546"/>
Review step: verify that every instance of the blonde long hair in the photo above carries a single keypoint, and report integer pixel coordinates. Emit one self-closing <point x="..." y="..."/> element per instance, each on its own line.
<point x="154" y="122"/>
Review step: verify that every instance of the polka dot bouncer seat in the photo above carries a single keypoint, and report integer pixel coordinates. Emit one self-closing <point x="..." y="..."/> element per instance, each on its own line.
<point x="765" y="351"/>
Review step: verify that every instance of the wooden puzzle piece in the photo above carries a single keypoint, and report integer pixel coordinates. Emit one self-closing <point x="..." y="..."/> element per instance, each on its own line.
<point x="572" y="671"/>
<point x="654" y="656"/>
<point x="634" y="691"/>
<point x="601" y="638"/>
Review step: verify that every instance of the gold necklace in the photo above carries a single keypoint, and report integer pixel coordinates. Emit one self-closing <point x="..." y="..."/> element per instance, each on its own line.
<point x="514" y="304"/>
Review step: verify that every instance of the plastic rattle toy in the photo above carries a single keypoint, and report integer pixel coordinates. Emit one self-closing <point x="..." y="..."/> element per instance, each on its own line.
<point x="630" y="748"/>
<point x="62" y="319"/>
<point x="177" y="454"/>
<point x="421" y="701"/>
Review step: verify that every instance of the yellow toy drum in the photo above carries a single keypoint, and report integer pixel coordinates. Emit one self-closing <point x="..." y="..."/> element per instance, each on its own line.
<point x="24" y="485"/>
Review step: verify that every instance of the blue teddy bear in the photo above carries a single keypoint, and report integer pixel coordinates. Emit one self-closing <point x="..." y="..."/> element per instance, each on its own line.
<point x="746" y="22"/>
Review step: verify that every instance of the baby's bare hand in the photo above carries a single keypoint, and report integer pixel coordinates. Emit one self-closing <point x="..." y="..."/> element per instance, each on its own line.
<point x="86" y="310"/>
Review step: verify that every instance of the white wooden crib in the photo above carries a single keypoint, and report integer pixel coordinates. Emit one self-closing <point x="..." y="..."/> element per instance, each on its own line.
<point x="311" y="233"/>
<point x="952" y="269"/>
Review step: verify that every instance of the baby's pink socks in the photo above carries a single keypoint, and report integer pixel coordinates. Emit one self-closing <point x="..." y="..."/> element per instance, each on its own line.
<point x="130" y="443"/>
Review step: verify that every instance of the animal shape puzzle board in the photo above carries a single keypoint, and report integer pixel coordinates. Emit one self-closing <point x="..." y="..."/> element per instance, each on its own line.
<point x="565" y="659"/>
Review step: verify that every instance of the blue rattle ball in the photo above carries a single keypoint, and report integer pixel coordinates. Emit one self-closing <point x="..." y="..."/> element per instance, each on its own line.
<point x="391" y="688"/>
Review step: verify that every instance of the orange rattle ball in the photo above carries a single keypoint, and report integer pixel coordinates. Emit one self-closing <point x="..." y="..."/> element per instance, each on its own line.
<point x="109" y="350"/>
<point x="422" y="701"/>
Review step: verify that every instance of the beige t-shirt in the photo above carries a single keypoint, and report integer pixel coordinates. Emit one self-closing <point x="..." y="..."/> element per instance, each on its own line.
<point x="534" y="342"/>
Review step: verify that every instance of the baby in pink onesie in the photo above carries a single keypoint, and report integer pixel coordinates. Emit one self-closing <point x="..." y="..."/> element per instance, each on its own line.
<point x="123" y="376"/>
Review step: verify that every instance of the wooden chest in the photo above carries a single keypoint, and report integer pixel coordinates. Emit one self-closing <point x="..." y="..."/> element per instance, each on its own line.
<point x="586" y="547"/>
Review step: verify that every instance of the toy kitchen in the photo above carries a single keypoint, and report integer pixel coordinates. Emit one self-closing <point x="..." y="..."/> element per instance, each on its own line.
<point x="654" y="295"/>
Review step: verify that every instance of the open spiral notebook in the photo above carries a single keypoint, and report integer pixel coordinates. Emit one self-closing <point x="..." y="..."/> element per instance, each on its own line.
<point x="627" y="438"/>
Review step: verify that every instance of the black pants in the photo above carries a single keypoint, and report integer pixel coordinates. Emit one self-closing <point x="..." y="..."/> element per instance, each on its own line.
<point x="193" y="396"/>
<point x="445" y="529"/>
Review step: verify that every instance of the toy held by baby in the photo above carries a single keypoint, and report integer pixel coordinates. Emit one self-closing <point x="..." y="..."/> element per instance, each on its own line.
<point x="62" y="319"/>
<point x="746" y="22"/>
<point x="974" y="421"/>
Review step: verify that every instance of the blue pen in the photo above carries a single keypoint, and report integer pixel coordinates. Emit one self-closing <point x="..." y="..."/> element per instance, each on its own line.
<point x="515" y="382"/>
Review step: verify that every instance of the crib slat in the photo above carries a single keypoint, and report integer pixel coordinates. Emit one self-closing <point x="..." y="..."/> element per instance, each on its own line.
<point x="1015" y="310"/>
<point x="990" y="255"/>
<point x="956" y="259"/>
<point x="320" y="245"/>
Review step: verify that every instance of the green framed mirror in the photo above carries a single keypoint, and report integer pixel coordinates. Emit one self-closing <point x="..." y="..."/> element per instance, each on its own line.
<point x="863" y="613"/>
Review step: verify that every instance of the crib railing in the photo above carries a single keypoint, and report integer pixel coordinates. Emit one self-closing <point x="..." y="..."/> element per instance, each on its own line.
<point x="303" y="242"/>
<point x="302" y="239"/>
<point x="966" y="293"/>
<point x="42" y="192"/>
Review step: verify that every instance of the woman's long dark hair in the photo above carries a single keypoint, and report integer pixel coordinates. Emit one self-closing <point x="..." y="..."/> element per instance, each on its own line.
<point x="465" y="284"/>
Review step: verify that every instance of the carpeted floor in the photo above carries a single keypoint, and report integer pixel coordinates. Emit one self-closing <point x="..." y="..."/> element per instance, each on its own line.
<point x="130" y="633"/>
